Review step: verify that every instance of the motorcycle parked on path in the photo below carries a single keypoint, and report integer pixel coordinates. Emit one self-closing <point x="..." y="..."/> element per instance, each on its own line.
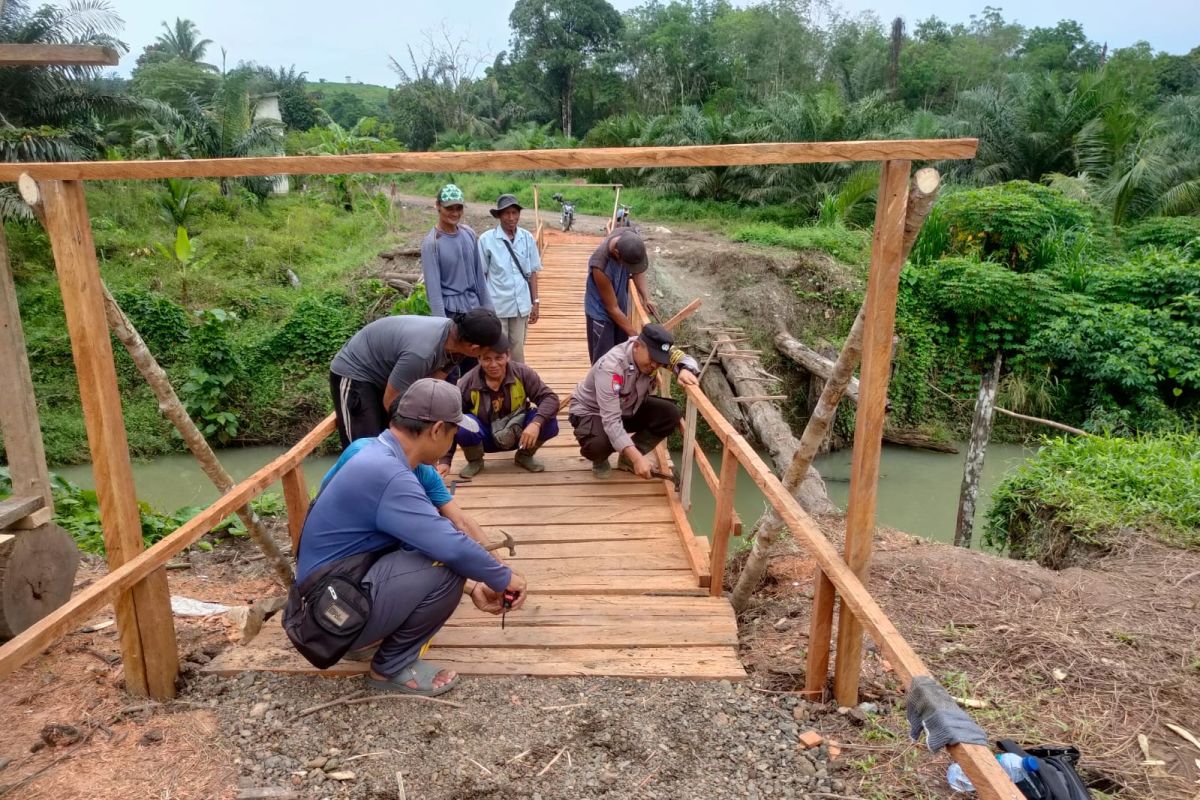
<point x="568" y="212"/>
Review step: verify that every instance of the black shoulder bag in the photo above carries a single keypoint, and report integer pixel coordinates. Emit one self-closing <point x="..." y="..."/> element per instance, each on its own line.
<point x="326" y="614"/>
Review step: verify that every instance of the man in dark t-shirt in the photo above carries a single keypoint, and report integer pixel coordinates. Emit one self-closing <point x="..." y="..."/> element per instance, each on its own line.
<point x="620" y="257"/>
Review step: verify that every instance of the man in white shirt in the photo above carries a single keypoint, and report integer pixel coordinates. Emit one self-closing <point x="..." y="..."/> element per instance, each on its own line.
<point x="511" y="263"/>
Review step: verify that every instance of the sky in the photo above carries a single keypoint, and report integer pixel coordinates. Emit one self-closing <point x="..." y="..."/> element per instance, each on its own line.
<point x="332" y="41"/>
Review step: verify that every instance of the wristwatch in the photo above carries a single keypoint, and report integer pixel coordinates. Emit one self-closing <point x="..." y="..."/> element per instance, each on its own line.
<point x="537" y="301"/>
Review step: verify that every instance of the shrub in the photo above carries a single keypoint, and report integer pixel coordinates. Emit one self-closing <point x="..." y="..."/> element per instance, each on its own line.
<point x="1181" y="232"/>
<point x="162" y="323"/>
<point x="1079" y="497"/>
<point x="314" y="332"/>
<point x="1008" y="221"/>
<point x="1149" y="278"/>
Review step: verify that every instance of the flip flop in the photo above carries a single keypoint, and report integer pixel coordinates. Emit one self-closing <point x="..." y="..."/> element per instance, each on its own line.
<point x="420" y="671"/>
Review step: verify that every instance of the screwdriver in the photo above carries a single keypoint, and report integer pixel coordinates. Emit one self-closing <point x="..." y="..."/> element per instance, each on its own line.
<point x="506" y="603"/>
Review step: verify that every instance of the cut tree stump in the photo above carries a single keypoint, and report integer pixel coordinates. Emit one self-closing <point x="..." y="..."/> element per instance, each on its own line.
<point x="37" y="574"/>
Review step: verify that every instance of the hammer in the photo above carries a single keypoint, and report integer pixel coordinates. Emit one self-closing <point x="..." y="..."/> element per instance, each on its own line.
<point x="507" y="541"/>
<point x="656" y="474"/>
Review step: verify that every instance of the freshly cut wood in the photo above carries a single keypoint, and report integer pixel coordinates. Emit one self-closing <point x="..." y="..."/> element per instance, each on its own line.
<point x="171" y="407"/>
<point x="503" y="160"/>
<point x="921" y="195"/>
<point x="684" y="313"/>
<point x="37" y="574"/>
<point x="18" y="408"/>
<point x="143" y="612"/>
<point x="56" y="55"/>
<point x="981" y="431"/>
<point x="13" y="509"/>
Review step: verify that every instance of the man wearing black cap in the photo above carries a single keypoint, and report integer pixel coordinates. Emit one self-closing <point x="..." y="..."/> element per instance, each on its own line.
<point x="612" y="410"/>
<point x="511" y="263"/>
<point x="621" y="256"/>
<point x="374" y="368"/>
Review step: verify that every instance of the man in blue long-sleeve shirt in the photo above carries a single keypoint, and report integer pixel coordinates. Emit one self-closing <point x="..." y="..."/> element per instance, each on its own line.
<point x="376" y="503"/>
<point x="454" y="277"/>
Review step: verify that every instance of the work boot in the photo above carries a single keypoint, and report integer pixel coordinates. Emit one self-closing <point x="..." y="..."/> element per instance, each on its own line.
<point x="601" y="469"/>
<point x="525" y="460"/>
<point x="474" y="465"/>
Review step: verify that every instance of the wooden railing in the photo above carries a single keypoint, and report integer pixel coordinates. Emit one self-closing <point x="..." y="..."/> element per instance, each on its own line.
<point x="834" y="575"/>
<point x="288" y="468"/>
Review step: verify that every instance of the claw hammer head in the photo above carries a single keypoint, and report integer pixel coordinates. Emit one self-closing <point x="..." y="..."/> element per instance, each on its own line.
<point x="507" y="541"/>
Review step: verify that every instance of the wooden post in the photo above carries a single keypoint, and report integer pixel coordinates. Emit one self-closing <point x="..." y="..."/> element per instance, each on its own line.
<point x="689" y="455"/>
<point x="295" y="495"/>
<point x="612" y="223"/>
<point x="820" y="635"/>
<point x="536" y="216"/>
<point x="981" y="431"/>
<point x="18" y="408"/>
<point x="887" y="254"/>
<point x="147" y="630"/>
<point x="723" y="521"/>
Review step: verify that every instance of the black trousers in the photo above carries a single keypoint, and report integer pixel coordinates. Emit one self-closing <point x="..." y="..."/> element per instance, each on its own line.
<point x="358" y="406"/>
<point x="602" y="335"/>
<point x="655" y="419"/>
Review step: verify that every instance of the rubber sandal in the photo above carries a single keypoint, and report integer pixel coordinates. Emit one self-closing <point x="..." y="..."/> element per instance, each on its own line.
<point x="420" y="671"/>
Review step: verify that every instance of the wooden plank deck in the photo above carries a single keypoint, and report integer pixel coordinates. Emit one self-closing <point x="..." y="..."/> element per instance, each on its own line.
<point x="613" y="590"/>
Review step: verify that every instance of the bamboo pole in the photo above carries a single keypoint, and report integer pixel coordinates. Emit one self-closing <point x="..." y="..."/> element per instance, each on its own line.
<point x="887" y="256"/>
<point x="148" y="649"/>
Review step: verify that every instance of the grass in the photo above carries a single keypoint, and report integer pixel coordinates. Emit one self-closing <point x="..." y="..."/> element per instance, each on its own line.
<point x="369" y="93"/>
<point x="844" y="244"/>
<point x="1088" y="490"/>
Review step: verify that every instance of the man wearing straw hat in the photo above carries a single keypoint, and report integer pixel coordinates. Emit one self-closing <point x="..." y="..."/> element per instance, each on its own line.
<point x="511" y="263"/>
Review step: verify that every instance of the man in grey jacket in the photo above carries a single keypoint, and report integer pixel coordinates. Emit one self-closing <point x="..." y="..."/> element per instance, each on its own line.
<point x="612" y="409"/>
<point x="454" y="279"/>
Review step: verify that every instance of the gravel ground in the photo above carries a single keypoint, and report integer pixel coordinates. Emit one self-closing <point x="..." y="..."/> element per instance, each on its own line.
<point x="612" y="738"/>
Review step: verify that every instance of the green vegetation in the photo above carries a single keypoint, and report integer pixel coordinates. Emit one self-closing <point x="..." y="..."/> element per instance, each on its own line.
<point x="247" y="352"/>
<point x="1085" y="494"/>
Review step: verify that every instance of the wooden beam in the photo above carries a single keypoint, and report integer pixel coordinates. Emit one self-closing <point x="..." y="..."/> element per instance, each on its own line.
<point x="144" y="612"/>
<point x="684" y="313"/>
<point x="18" y="507"/>
<point x="18" y="406"/>
<point x="295" y="496"/>
<point x="887" y="257"/>
<point x="976" y="760"/>
<point x="820" y="636"/>
<point x="504" y="160"/>
<point x="723" y="522"/>
<point x="689" y="456"/>
<point x="91" y="599"/>
<point x="56" y="55"/>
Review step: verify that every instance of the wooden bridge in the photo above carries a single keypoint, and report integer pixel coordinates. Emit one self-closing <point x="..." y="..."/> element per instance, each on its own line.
<point x="618" y="577"/>
<point x="614" y="569"/>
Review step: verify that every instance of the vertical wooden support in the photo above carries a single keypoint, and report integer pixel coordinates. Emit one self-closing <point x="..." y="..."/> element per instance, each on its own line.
<point x="689" y="455"/>
<point x="887" y="255"/>
<point x="18" y="408"/>
<point x="722" y="522"/>
<point x="981" y="431"/>
<point x="295" y="496"/>
<point x="820" y="636"/>
<point x="147" y="630"/>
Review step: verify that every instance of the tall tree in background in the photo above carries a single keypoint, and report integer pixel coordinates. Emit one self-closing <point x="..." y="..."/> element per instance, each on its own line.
<point x="894" y="58"/>
<point x="555" y="40"/>
<point x="296" y="106"/>
<point x="182" y="40"/>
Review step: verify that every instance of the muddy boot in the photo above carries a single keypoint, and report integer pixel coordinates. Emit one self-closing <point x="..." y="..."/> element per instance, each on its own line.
<point x="601" y="469"/>
<point x="474" y="465"/>
<point x="525" y="460"/>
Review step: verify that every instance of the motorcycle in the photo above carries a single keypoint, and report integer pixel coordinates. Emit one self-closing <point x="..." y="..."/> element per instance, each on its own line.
<point x="624" y="218"/>
<point x="568" y="212"/>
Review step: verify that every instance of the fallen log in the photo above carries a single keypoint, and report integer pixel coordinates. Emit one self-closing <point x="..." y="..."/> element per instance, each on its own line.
<point x="717" y="389"/>
<point x="812" y="361"/>
<point x="917" y="440"/>
<point x="401" y="252"/>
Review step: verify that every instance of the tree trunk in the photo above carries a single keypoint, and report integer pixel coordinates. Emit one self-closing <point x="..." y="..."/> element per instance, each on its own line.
<point x="921" y="195"/>
<point x="171" y="408"/>
<point x="981" y="431"/>
<point x="716" y="388"/>
<point x="812" y="361"/>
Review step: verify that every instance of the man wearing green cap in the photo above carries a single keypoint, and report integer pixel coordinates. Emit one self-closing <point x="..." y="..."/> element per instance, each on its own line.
<point x="454" y="279"/>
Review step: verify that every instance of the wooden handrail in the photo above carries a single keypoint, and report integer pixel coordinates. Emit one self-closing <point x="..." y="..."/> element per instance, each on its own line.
<point x="76" y="611"/>
<point x="502" y="160"/>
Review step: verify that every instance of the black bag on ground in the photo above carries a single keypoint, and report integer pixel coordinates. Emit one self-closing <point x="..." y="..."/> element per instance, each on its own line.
<point x="324" y="617"/>
<point x="1055" y="777"/>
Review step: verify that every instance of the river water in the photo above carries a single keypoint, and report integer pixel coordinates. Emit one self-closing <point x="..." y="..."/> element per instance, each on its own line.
<point x="918" y="490"/>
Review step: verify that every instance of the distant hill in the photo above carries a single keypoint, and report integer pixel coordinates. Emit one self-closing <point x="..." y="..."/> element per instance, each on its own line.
<point x="367" y="92"/>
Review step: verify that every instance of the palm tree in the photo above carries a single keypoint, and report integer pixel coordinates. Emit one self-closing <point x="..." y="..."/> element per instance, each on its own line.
<point x="182" y="40"/>
<point x="52" y="113"/>
<point x="335" y="140"/>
